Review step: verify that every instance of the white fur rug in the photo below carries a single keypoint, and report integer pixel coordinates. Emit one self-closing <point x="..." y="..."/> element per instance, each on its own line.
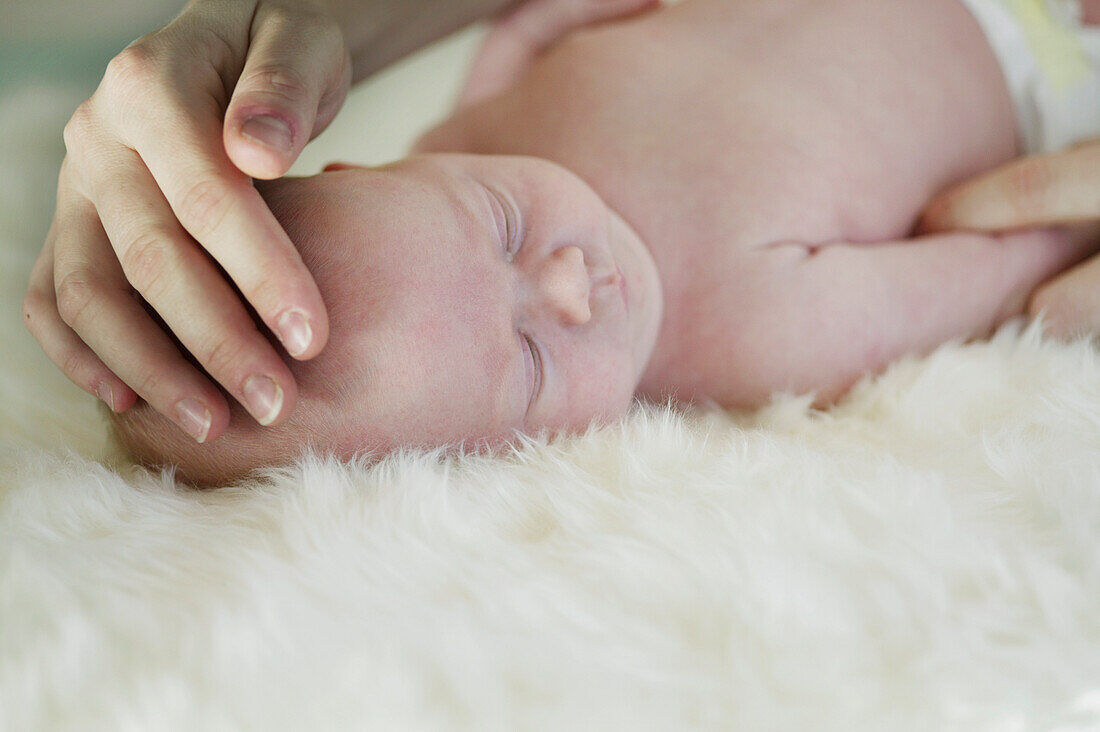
<point x="925" y="556"/>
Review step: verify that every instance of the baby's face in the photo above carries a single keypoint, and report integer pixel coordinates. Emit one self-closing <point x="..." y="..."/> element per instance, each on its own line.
<point x="469" y="297"/>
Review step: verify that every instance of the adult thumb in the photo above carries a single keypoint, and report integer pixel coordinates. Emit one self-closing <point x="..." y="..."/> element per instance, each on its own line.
<point x="295" y="78"/>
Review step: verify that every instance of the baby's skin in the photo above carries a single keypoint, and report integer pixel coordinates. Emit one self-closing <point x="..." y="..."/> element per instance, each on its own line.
<point x="713" y="201"/>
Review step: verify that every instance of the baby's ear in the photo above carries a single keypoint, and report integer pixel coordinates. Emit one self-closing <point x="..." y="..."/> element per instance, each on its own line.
<point x="339" y="165"/>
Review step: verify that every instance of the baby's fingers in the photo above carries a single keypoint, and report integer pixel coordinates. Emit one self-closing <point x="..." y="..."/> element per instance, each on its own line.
<point x="1042" y="190"/>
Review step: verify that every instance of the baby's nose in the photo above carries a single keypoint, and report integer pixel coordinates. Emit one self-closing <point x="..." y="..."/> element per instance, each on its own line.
<point x="564" y="285"/>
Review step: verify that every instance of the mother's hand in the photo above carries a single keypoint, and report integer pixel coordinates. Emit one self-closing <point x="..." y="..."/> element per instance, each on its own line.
<point x="1042" y="190"/>
<point x="155" y="196"/>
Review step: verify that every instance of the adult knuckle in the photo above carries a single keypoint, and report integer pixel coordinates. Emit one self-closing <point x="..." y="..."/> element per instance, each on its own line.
<point x="147" y="260"/>
<point x="216" y="47"/>
<point x="267" y="294"/>
<point x="282" y="19"/>
<point x="313" y="16"/>
<point x="72" y="362"/>
<point x="78" y="129"/>
<point x="149" y="382"/>
<point x="281" y="81"/>
<point x="134" y="87"/>
<point x="204" y="206"/>
<point x="326" y="36"/>
<point x="133" y="66"/>
<point x="76" y="291"/>
<point x="221" y="356"/>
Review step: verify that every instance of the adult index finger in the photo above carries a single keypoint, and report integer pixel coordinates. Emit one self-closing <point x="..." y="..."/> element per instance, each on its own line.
<point x="1041" y="190"/>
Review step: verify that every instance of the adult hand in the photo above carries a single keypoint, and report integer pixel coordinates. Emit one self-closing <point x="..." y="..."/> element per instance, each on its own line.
<point x="1043" y="190"/>
<point x="524" y="31"/>
<point x="155" y="196"/>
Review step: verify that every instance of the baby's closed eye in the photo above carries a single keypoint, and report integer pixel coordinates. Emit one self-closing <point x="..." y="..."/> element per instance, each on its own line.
<point x="506" y="216"/>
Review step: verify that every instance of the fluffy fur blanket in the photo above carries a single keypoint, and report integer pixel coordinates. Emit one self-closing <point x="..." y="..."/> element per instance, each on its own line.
<point x="926" y="555"/>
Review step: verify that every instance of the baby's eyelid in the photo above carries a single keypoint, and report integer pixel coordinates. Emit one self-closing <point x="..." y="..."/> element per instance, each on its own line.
<point x="511" y="221"/>
<point x="536" y="367"/>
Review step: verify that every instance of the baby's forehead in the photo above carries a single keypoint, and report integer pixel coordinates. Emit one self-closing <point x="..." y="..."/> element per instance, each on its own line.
<point x="426" y="336"/>
<point x="441" y="344"/>
<point x="421" y="280"/>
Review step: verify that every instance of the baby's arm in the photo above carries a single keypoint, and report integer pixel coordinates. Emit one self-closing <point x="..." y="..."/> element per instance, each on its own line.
<point x="824" y="316"/>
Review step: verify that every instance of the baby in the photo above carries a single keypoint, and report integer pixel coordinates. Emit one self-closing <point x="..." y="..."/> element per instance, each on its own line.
<point x="710" y="201"/>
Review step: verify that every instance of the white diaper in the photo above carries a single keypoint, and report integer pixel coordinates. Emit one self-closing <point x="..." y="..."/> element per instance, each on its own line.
<point x="1052" y="64"/>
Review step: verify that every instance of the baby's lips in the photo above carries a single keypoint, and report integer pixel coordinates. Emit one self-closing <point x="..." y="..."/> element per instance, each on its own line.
<point x="338" y="165"/>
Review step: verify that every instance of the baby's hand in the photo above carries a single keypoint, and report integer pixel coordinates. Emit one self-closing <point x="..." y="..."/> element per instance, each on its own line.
<point x="519" y="35"/>
<point x="154" y="196"/>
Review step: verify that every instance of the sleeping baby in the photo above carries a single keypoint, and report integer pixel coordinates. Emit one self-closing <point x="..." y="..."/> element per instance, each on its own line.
<point x="710" y="201"/>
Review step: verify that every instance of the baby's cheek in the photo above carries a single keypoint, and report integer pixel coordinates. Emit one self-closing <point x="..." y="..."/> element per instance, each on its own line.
<point x="601" y="388"/>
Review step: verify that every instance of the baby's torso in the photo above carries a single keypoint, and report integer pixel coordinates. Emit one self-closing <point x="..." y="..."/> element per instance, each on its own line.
<point x="717" y="128"/>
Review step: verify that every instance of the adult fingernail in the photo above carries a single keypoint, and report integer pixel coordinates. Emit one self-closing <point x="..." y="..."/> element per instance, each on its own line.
<point x="271" y="132"/>
<point x="264" y="398"/>
<point x="194" y="417"/>
<point x="103" y="391"/>
<point x="295" y="333"/>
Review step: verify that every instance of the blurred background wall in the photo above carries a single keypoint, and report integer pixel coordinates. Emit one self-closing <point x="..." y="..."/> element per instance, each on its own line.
<point x="71" y="40"/>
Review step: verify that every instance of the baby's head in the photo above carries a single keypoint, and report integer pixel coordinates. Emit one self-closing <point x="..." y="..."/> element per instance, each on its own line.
<point x="469" y="297"/>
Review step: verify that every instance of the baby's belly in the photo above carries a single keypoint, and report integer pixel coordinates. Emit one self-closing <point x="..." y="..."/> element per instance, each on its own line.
<point x="848" y="124"/>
